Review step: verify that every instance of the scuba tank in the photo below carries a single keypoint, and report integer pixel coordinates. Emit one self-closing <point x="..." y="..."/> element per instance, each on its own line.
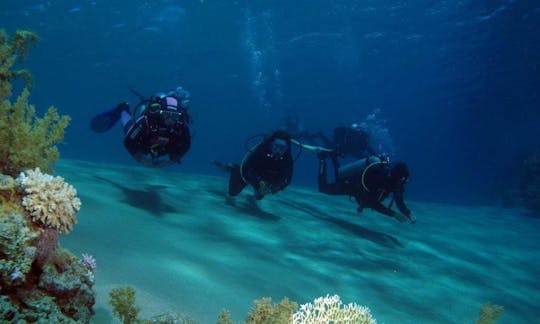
<point x="356" y="168"/>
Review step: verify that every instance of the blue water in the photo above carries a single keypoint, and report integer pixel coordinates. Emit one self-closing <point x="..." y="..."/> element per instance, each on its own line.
<point x="456" y="81"/>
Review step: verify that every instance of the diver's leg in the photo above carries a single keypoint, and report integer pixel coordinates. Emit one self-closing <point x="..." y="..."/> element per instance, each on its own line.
<point x="236" y="182"/>
<point x="322" y="177"/>
<point x="127" y="121"/>
<point x="335" y="163"/>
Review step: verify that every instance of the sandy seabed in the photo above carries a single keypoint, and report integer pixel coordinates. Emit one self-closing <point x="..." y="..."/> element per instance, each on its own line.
<point x="188" y="248"/>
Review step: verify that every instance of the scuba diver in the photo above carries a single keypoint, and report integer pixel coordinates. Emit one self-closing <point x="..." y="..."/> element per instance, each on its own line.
<point x="267" y="167"/>
<point x="370" y="181"/>
<point x="156" y="131"/>
<point x="349" y="141"/>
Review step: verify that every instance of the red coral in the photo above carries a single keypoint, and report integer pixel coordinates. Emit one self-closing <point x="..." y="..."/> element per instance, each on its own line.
<point x="46" y="245"/>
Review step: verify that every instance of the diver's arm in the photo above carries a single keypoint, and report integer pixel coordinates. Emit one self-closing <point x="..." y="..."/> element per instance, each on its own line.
<point x="326" y="141"/>
<point x="400" y="203"/>
<point x="249" y="171"/>
<point x="383" y="209"/>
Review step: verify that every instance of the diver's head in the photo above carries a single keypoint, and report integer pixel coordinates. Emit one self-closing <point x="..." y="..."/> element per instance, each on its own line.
<point x="398" y="175"/>
<point x="278" y="145"/>
<point x="167" y="110"/>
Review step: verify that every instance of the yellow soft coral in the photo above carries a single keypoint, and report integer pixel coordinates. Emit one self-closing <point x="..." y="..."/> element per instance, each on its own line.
<point x="27" y="141"/>
<point x="264" y="312"/>
<point x="12" y="51"/>
<point x="50" y="201"/>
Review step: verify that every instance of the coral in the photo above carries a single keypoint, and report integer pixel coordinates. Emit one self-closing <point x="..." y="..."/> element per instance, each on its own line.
<point x="330" y="309"/>
<point x="39" y="282"/>
<point x="264" y="312"/>
<point x="28" y="141"/>
<point x="89" y="262"/>
<point x="9" y="199"/>
<point x="16" y="254"/>
<point x="54" y="290"/>
<point x="123" y="304"/>
<point x="224" y="317"/>
<point x="65" y="278"/>
<point x="46" y="245"/>
<point x="7" y="310"/>
<point x="51" y="202"/>
<point x="489" y="313"/>
<point x="12" y="51"/>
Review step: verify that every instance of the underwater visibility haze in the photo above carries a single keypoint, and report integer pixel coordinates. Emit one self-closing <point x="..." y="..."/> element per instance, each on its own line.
<point x="450" y="87"/>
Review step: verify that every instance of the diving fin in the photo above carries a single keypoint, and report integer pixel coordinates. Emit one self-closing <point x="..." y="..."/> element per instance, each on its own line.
<point x="104" y="121"/>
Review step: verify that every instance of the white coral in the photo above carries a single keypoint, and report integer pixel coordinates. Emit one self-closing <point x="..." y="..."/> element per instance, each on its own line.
<point x="49" y="200"/>
<point x="329" y="310"/>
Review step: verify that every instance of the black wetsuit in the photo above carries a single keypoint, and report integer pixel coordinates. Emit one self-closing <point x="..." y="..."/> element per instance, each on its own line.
<point x="259" y="169"/>
<point x="158" y="137"/>
<point x="377" y="188"/>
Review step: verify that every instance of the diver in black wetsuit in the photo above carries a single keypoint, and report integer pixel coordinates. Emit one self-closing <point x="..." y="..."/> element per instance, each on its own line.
<point x="267" y="167"/>
<point x="156" y="131"/>
<point x="349" y="141"/>
<point x="370" y="181"/>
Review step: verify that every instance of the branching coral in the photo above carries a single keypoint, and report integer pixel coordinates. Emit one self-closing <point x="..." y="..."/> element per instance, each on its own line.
<point x="123" y="304"/>
<point x="489" y="313"/>
<point x="224" y="317"/>
<point x="9" y="200"/>
<point x="49" y="200"/>
<point x="12" y="51"/>
<point x="15" y="238"/>
<point x="264" y="312"/>
<point x="27" y="140"/>
<point x="330" y="309"/>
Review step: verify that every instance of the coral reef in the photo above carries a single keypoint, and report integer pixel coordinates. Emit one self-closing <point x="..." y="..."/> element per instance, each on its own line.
<point x="49" y="200"/>
<point x="39" y="281"/>
<point x="16" y="251"/>
<point x="489" y="313"/>
<point x="224" y="317"/>
<point x="27" y="140"/>
<point x="330" y="309"/>
<point x="264" y="312"/>
<point x="57" y="289"/>
<point x="12" y="51"/>
<point x="123" y="304"/>
<point x="122" y="300"/>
